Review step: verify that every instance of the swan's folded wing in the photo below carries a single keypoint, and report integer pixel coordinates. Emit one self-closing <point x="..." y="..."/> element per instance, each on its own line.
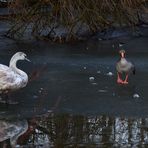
<point x="4" y="67"/>
<point x="7" y="78"/>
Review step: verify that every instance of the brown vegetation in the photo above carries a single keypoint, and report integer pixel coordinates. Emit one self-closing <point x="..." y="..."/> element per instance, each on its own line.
<point x="46" y="17"/>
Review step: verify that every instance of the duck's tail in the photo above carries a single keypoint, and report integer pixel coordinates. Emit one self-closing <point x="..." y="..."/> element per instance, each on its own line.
<point x="134" y="70"/>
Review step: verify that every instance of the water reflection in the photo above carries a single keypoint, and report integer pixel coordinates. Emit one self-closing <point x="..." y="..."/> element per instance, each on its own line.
<point x="10" y="130"/>
<point x="65" y="130"/>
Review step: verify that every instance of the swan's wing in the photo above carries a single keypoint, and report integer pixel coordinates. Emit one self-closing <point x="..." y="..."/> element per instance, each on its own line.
<point x="7" y="78"/>
<point x="4" y="67"/>
<point x="7" y="75"/>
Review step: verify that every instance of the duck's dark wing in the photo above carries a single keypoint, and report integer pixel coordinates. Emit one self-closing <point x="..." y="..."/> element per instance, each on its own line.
<point x="118" y="65"/>
<point x="133" y="69"/>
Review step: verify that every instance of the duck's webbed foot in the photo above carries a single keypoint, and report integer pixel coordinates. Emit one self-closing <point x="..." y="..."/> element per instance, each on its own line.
<point x="126" y="80"/>
<point x="119" y="80"/>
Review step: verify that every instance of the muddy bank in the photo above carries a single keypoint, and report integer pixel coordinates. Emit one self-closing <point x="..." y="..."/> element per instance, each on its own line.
<point x="105" y="42"/>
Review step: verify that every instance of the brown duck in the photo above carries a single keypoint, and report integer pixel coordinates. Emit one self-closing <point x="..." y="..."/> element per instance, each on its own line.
<point x="124" y="66"/>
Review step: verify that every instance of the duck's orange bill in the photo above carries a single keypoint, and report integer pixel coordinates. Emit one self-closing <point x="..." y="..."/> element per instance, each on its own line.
<point x="122" y="54"/>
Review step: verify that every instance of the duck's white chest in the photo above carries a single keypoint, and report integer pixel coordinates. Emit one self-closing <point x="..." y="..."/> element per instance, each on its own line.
<point x="123" y="61"/>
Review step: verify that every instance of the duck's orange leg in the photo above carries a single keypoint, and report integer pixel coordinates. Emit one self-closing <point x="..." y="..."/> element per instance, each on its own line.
<point x="119" y="80"/>
<point x="126" y="80"/>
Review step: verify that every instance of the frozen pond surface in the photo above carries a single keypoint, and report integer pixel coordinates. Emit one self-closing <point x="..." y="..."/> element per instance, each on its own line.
<point x="79" y="80"/>
<point x="61" y="75"/>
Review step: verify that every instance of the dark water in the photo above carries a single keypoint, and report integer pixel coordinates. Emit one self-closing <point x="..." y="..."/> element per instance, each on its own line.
<point x="64" y="108"/>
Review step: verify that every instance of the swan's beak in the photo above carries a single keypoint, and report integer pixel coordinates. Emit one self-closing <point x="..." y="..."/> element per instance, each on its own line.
<point x="27" y="59"/>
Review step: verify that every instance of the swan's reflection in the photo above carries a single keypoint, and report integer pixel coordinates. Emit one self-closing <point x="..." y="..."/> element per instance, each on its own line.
<point x="10" y="130"/>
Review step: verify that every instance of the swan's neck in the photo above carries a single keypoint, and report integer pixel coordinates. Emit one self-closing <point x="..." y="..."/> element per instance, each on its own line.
<point x="12" y="65"/>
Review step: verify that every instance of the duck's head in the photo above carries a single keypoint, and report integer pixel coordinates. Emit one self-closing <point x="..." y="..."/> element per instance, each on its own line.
<point x="122" y="53"/>
<point x="20" y="56"/>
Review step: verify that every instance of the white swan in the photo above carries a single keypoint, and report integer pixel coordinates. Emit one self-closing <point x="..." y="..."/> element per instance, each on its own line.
<point x="12" y="78"/>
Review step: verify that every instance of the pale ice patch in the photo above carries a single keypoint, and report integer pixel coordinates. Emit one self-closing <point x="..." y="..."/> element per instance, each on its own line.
<point x="94" y="83"/>
<point x="91" y="79"/>
<point x="109" y="74"/>
<point x="136" y="95"/>
<point x="120" y="45"/>
<point x="98" y="72"/>
<point x="35" y="96"/>
<point x="102" y="90"/>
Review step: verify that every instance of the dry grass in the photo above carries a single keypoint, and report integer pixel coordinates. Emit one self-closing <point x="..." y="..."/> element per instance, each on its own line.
<point x="45" y="16"/>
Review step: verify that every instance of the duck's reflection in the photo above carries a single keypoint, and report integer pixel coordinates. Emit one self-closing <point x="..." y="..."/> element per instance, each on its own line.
<point x="127" y="90"/>
<point x="77" y="131"/>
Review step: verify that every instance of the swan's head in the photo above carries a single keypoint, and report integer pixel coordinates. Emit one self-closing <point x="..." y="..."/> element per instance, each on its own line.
<point x="20" y="56"/>
<point x="16" y="57"/>
<point x="122" y="53"/>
